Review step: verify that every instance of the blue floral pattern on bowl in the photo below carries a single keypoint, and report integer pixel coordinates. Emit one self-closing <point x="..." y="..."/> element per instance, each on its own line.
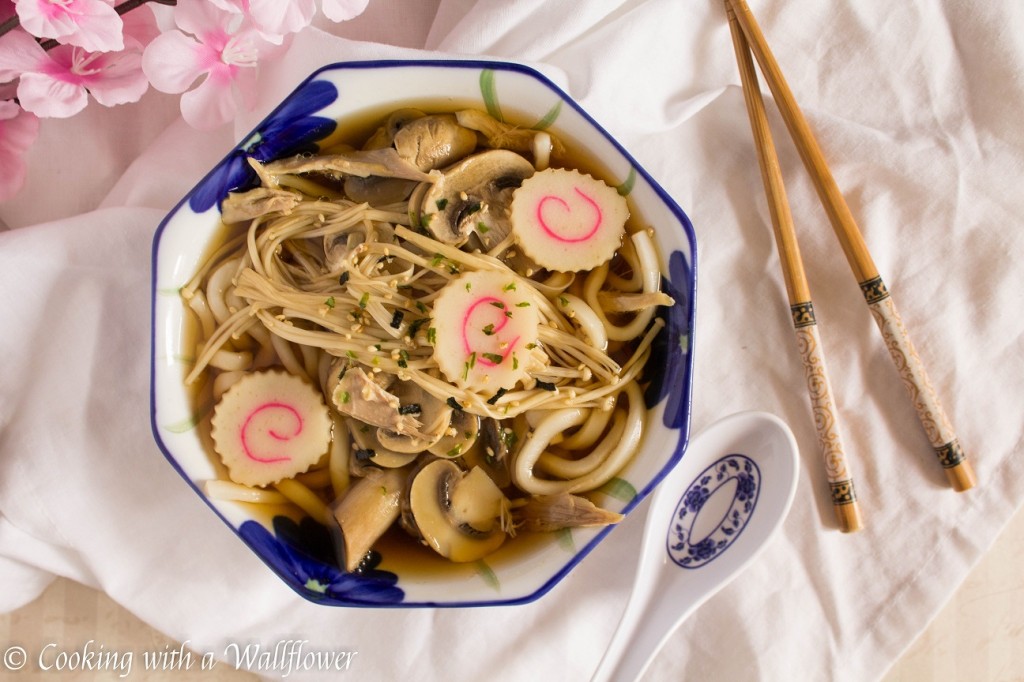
<point x="293" y="128"/>
<point x="301" y="553"/>
<point x="689" y="551"/>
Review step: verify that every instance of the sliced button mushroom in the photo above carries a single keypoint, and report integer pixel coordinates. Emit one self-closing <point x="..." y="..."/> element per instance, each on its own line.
<point x="369" y="451"/>
<point x="474" y="195"/>
<point x="459" y="515"/>
<point x="338" y="249"/>
<point x="434" y="141"/>
<point x="366" y="511"/>
<point x="491" y="451"/>
<point x="459" y="437"/>
<point x="432" y="415"/>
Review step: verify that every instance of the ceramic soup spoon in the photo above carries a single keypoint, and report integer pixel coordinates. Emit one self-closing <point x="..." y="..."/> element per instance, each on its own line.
<point x="707" y="521"/>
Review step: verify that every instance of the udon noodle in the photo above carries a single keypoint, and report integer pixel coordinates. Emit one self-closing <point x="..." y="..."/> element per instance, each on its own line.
<point x="447" y="378"/>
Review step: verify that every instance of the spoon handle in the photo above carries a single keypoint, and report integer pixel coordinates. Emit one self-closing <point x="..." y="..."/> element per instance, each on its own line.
<point x="650" y="617"/>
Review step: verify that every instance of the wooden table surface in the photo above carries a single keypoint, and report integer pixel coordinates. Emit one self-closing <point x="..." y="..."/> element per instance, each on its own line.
<point x="976" y="638"/>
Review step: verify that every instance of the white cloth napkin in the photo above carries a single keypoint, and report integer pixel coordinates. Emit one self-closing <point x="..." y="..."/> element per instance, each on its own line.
<point x="916" y="106"/>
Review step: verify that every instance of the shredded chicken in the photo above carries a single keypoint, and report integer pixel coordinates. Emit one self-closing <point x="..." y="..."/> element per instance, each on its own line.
<point x="359" y="396"/>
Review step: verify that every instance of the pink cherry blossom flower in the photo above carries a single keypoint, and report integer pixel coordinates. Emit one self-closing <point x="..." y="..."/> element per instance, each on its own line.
<point x="18" y="130"/>
<point x="277" y="18"/>
<point x="218" y="48"/>
<point x="58" y="83"/>
<point x="274" y="19"/>
<point x="343" y="10"/>
<point x="93" y="25"/>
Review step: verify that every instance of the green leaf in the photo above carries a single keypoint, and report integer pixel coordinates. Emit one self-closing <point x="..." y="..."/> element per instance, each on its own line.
<point x="626" y="187"/>
<point x="620" y="489"/>
<point x="184" y="425"/>
<point x="488" y="575"/>
<point x="549" y="117"/>
<point x="565" y="540"/>
<point x="490" y="94"/>
<point x="191" y="422"/>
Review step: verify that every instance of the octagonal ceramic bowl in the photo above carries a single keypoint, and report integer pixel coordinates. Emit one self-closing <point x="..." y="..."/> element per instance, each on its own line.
<point x="299" y="550"/>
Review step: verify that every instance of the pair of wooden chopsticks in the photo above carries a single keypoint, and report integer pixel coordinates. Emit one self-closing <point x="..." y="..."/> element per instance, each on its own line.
<point x="747" y="39"/>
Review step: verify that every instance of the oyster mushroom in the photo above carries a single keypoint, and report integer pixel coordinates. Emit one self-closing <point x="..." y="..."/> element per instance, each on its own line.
<point x="384" y="136"/>
<point x="241" y="206"/>
<point x="474" y="195"/>
<point x="425" y="142"/>
<point x="501" y="135"/>
<point x="380" y="162"/>
<point x="435" y="141"/>
<point x="459" y="515"/>
<point x="618" y="302"/>
<point x="366" y="511"/>
<point x="554" y="512"/>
